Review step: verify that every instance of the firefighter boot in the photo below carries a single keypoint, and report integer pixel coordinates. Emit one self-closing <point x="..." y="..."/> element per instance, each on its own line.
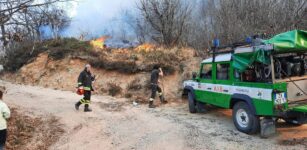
<point x="86" y="108"/>
<point x="162" y="99"/>
<point x="77" y="105"/>
<point x="151" y="105"/>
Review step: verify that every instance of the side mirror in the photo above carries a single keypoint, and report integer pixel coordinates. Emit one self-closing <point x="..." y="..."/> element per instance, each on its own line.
<point x="194" y="75"/>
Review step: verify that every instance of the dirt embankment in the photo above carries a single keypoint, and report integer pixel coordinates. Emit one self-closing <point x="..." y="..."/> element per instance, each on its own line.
<point x="62" y="74"/>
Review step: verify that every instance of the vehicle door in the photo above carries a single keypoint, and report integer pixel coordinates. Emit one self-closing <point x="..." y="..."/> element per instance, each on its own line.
<point x="206" y="82"/>
<point x="223" y="83"/>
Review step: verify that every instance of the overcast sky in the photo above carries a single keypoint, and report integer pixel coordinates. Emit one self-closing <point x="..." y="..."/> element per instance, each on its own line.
<point x="93" y="16"/>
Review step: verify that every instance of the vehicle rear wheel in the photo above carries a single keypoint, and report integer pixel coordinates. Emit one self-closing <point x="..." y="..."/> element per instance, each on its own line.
<point x="192" y="103"/>
<point x="244" y="120"/>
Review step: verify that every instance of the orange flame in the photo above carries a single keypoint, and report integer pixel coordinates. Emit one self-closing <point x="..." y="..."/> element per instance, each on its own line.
<point x="99" y="42"/>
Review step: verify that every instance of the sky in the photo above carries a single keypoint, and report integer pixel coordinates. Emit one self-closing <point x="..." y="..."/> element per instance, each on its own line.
<point x="94" y="16"/>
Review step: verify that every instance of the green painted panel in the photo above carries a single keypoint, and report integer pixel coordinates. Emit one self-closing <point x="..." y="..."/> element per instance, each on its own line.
<point x="223" y="100"/>
<point x="280" y="86"/>
<point x="208" y="97"/>
<point x="198" y="94"/>
<point x="263" y="107"/>
<point x="300" y="108"/>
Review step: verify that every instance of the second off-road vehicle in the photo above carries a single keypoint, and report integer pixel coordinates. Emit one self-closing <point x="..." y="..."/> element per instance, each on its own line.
<point x="260" y="82"/>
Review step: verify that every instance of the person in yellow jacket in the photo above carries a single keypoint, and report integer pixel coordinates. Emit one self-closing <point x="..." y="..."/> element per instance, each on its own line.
<point x="5" y="114"/>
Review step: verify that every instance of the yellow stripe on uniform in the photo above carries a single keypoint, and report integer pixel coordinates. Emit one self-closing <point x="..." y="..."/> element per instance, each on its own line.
<point x="87" y="88"/>
<point x="82" y="101"/>
<point x="87" y="102"/>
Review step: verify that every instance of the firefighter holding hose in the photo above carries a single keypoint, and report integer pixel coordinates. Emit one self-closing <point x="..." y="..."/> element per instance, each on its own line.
<point x="85" y="88"/>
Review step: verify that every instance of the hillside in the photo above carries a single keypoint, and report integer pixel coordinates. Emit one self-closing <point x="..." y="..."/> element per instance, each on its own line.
<point x="120" y="72"/>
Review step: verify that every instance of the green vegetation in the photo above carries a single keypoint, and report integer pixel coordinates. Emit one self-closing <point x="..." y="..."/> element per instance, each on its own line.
<point x="128" y="61"/>
<point x="26" y="52"/>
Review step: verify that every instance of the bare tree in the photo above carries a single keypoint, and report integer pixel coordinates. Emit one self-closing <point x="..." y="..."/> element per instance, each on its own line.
<point x="57" y="19"/>
<point x="26" y="16"/>
<point x="167" y="18"/>
<point x="235" y="19"/>
<point x="139" y="26"/>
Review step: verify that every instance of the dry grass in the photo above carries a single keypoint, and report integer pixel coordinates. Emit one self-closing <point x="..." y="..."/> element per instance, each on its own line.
<point x="134" y="85"/>
<point x="133" y="61"/>
<point x="29" y="133"/>
<point x="129" y="61"/>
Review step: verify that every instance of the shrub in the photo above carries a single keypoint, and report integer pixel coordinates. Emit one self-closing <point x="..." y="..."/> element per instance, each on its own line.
<point x="162" y="56"/>
<point x="134" y="85"/>
<point x="114" y="89"/>
<point x="21" y="54"/>
<point x="25" y="52"/>
<point x="128" y="95"/>
<point x="134" y="57"/>
<point x="59" y="53"/>
<point x="167" y="69"/>
<point x="120" y="66"/>
<point x="181" y="67"/>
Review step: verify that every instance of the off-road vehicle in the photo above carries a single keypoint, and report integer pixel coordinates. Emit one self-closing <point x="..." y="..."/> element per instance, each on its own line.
<point x="260" y="81"/>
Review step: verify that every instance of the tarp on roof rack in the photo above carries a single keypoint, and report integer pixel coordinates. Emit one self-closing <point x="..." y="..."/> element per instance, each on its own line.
<point x="288" y="42"/>
<point x="242" y="61"/>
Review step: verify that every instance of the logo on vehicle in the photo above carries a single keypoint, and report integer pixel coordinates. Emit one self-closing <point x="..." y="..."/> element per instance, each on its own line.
<point x="218" y="89"/>
<point x="242" y="90"/>
<point x="259" y="93"/>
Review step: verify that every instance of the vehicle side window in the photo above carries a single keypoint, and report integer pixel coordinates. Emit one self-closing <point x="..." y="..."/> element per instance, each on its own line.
<point x="206" y="72"/>
<point x="222" y="71"/>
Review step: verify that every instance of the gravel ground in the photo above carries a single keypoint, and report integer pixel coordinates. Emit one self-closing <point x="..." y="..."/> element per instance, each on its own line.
<point x="117" y="124"/>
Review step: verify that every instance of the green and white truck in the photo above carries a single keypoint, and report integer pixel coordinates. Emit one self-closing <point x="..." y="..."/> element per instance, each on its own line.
<point x="261" y="83"/>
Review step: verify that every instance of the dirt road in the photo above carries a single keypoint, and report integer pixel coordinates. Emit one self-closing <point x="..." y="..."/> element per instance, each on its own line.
<point x="117" y="124"/>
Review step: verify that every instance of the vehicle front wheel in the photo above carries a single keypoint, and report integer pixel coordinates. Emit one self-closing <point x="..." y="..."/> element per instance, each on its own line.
<point x="192" y="103"/>
<point x="244" y="120"/>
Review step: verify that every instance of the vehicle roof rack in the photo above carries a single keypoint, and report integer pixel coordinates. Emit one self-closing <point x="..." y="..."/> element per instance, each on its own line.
<point x="226" y="49"/>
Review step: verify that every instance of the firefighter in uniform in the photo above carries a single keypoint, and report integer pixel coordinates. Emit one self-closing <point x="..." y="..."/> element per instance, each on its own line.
<point x="156" y="72"/>
<point x="85" y="81"/>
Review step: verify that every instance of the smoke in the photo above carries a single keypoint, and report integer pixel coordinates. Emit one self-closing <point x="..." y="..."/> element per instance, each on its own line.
<point x="94" y="18"/>
<point x="46" y="32"/>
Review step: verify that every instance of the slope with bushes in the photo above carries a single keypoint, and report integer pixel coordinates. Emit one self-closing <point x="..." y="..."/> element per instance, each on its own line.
<point x="121" y="72"/>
